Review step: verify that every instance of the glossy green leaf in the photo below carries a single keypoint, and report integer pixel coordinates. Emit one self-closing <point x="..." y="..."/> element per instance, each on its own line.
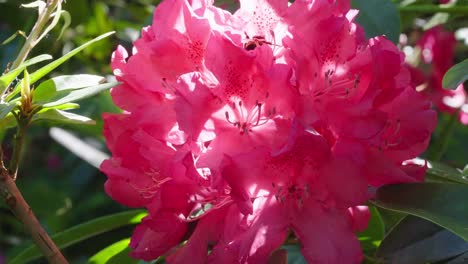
<point x="390" y="218"/>
<point x="114" y="254"/>
<point x="415" y="240"/>
<point x="51" y="66"/>
<point x="441" y="172"/>
<point x="378" y="17"/>
<point x="49" y="89"/>
<point x="374" y="233"/>
<point x="456" y="75"/>
<point x="6" y="79"/>
<point x="84" y="231"/>
<point x="435" y="202"/>
<point x="60" y="116"/>
<point x="461" y="259"/>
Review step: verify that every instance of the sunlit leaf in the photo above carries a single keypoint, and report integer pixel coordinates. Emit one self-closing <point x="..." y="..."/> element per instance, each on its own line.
<point x="374" y="233"/>
<point x="53" y="65"/>
<point x="67" y="96"/>
<point x="436" y="202"/>
<point x="114" y="254"/>
<point x="49" y="89"/>
<point x="60" y="116"/>
<point x="84" y="231"/>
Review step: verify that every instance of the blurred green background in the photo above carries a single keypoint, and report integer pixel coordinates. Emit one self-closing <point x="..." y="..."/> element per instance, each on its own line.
<point x="64" y="190"/>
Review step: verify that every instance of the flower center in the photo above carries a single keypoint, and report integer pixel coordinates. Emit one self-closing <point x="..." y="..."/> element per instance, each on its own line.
<point x="246" y="119"/>
<point x="336" y="86"/>
<point x="292" y="192"/>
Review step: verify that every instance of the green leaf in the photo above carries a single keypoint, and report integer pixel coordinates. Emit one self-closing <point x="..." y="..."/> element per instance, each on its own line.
<point x="49" y="89"/>
<point x="378" y="17"/>
<point x="294" y="254"/>
<point x="6" y="79"/>
<point x="415" y="240"/>
<point x="12" y="37"/>
<point x="456" y="75"/>
<point x="63" y="117"/>
<point x="390" y="218"/>
<point x="462" y="259"/>
<point x="51" y="66"/>
<point x="84" y="231"/>
<point x="66" y="22"/>
<point x="8" y="121"/>
<point x="374" y="233"/>
<point x="66" y="106"/>
<point x="441" y="172"/>
<point x="67" y="96"/>
<point x="5" y="109"/>
<point x="440" y="203"/>
<point x="114" y="254"/>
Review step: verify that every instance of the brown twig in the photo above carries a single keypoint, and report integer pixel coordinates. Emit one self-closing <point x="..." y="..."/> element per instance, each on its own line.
<point x="23" y="212"/>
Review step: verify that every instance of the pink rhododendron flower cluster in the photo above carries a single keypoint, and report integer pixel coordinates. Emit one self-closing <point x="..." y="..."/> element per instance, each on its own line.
<point x="437" y="52"/>
<point x="240" y="130"/>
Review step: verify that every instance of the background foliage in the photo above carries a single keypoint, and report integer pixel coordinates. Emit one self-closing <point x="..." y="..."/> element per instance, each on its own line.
<point x="65" y="191"/>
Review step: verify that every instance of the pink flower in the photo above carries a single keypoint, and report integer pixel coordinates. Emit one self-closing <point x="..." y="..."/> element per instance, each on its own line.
<point x="437" y="51"/>
<point x="238" y="128"/>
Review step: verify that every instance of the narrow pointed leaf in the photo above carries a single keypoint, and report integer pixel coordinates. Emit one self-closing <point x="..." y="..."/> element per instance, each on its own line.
<point x="114" y="254"/>
<point x="51" y="66"/>
<point x="432" y="201"/>
<point x="456" y="75"/>
<point x="84" y="231"/>
<point x="6" y="79"/>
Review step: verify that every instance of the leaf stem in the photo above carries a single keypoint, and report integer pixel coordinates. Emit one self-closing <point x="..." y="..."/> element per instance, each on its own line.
<point x="433" y="9"/>
<point x="15" y="201"/>
<point x="36" y="32"/>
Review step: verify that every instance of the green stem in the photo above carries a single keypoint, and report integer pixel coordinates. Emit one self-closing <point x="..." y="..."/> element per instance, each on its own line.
<point x="440" y="145"/>
<point x="36" y="32"/>
<point x="430" y="9"/>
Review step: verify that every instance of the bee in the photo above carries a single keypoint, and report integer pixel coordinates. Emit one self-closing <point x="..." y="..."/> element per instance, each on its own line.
<point x="255" y="42"/>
